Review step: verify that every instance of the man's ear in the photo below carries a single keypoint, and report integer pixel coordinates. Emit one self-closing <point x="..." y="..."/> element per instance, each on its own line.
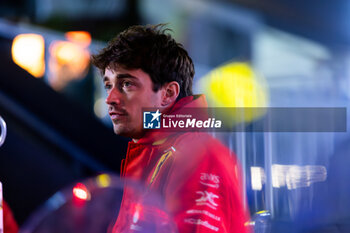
<point x="171" y="92"/>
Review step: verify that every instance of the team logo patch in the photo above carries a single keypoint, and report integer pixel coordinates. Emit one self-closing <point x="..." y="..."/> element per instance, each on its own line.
<point x="208" y="199"/>
<point x="151" y="120"/>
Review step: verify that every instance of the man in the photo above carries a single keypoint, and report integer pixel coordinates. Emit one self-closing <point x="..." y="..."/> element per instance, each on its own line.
<point x="197" y="176"/>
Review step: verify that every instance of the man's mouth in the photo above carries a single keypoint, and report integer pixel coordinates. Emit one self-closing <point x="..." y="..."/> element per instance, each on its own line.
<point x="116" y="115"/>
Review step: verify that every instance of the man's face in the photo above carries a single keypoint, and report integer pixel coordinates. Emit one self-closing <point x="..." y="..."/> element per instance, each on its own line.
<point x="128" y="92"/>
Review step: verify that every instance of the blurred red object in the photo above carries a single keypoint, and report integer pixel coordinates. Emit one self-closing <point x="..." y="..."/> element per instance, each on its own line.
<point x="10" y="224"/>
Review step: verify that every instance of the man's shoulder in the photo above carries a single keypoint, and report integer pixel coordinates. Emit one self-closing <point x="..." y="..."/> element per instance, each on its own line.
<point x="201" y="151"/>
<point x="201" y="142"/>
<point x="203" y="162"/>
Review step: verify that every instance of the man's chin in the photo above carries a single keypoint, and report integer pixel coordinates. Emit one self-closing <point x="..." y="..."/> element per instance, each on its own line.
<point x="121" y="131"/>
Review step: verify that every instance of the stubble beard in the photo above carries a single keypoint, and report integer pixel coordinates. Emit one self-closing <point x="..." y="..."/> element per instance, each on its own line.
<point x="126" y="130"/>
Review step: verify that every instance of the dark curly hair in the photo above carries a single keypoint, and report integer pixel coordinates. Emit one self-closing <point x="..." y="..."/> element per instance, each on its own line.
<point x="153" y="50"/>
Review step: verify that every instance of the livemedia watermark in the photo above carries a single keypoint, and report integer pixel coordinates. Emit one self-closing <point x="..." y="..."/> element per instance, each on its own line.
<point x="248" y="119"/>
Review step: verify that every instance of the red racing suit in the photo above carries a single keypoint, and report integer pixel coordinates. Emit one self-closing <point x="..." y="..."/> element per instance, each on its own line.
<point x="197" y="176"/>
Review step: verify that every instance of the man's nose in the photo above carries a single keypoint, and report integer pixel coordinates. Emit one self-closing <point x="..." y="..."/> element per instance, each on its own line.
<point x="114" y="97"/>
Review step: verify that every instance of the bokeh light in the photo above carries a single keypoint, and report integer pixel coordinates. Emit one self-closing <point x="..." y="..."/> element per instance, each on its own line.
<point x="235" y="85"/>
<point x="100" y="108"/>
<point x="79" y="37"/>
<point x="68" y="61"/>
<point x="28" y="53"/>
<point x="81" y="192"/>
<point x="103" y="180"/>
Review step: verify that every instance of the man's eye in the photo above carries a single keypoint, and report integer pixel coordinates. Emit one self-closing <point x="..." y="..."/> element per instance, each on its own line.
<point x="108" y="86"/>
<point x="126" y="84"/>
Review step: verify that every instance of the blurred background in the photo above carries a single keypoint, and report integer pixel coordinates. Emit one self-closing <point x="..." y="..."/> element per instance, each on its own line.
<point x="256" y="53"/>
